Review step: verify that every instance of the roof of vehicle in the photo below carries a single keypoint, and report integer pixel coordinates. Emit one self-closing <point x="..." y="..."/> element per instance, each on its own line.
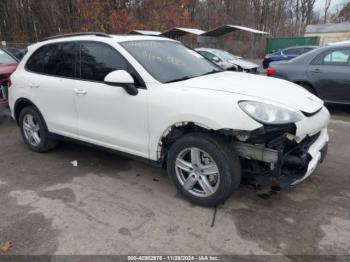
<point x="206" y="49"/>
<point x="124" y="38"/>
<point x="93" y="36"/>
<point x="301" y="46"/>
<point x="98" y="35"/>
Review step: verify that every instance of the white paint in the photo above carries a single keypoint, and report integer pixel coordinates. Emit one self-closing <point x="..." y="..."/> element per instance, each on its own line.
<point x="135" y="124"/>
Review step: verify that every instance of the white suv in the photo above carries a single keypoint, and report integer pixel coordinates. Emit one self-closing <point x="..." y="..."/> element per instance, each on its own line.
<point x="155" y="99"/>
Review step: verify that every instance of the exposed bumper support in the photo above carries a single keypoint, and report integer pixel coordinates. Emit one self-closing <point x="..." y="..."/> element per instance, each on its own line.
<point x="285" y="167"/>
<point x="256" y="152"/>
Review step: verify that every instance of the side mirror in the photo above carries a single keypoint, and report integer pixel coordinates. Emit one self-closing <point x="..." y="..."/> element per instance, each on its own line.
<point x="216" y="59"/>
<point x="123" y="79"/>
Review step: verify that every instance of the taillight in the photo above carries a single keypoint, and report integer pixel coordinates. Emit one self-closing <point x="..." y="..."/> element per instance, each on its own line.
<point x="270" y="71"/>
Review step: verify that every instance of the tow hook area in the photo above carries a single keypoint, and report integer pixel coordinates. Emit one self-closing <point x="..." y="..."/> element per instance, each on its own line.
<point x="273" y="158"/>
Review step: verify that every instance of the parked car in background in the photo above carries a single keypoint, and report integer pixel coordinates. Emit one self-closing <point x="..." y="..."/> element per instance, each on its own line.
<point x="8" y="64"/>
<point x="16" y="52"/>
<point x="155" y="99"/>
<point x="228" y="61"/>
<point x="325" y="72"/>
<point x="286" y="54"/>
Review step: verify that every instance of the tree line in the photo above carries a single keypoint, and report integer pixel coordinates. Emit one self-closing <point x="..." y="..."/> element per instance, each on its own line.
<point x="24" y="21"/>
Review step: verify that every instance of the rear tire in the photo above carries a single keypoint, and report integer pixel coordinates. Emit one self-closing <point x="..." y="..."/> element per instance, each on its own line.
<point x="204" y="168"/>
<point x="34" y="130"/>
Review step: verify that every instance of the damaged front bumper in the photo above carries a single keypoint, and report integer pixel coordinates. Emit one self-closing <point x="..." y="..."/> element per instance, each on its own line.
<point x="284" y="155"/>
<point x="317" y="151"/>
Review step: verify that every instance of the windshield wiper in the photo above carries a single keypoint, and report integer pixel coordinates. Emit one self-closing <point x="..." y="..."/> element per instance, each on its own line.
<point x="178" y="79"/>
<point x="214" y="71"/>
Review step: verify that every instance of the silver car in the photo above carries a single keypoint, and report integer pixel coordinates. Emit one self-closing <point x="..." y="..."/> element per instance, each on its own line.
<point x="324" y="72"/>
<point x="228" y="61"/>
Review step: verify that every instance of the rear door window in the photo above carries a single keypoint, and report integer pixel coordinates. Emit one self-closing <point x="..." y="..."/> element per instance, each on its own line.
<point x="59" y="59"/>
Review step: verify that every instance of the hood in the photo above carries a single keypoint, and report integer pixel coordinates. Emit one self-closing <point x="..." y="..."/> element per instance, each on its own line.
<point x="243" y="63"/>
<point x="7" y="69"/>
<point x="266" y="88"/>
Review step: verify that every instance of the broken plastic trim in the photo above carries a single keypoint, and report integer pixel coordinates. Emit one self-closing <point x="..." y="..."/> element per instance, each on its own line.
<point x="292" y="165"/>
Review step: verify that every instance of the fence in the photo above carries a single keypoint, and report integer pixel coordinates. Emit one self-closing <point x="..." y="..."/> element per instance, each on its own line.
<point x="277" y="43"/>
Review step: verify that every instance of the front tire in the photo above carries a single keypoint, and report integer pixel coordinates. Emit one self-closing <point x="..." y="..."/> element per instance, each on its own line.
<point x="34" y="130"/>
<point x="204" y="168"/>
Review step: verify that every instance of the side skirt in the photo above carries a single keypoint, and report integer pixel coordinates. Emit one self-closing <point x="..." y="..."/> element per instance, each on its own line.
<point x="113" y="151"/>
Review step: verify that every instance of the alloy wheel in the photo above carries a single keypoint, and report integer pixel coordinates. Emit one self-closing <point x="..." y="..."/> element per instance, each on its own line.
<point x="197" y="172"/>
<point x="31" y="130"/>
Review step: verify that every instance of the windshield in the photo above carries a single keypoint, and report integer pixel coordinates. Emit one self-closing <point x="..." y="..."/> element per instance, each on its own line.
<point x="6" y="58"/>
<point x="169" y="61"/>
<point x="225" y="55"/>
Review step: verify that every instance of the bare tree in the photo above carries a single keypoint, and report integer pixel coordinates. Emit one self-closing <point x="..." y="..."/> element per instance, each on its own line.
<point x="327" y="5"/>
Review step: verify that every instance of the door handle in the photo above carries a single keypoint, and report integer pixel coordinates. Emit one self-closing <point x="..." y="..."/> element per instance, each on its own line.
<point x="33" y="85"/>
<point x="317" y="71"/>
<point x="80" y="91"/>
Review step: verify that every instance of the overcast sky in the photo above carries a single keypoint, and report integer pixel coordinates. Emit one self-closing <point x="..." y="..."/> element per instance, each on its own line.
<point x="335" y="3"/>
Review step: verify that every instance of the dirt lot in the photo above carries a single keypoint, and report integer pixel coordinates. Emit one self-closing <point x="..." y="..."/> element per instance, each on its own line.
<point x="113" y="205"/>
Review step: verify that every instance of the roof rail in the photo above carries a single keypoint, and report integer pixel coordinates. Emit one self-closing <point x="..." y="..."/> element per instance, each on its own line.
<point x="76" y="34"/>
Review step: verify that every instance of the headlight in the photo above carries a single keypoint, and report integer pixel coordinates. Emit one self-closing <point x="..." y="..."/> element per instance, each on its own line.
<point x="269" y="114"/>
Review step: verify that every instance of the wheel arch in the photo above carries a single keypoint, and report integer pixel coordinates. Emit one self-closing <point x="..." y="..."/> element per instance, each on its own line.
<point x="176" y="131"/>
<point x="22" y="103"/>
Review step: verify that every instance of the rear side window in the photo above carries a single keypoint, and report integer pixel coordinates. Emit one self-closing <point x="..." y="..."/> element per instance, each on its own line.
<point x="59" y="59"/>
<point x="339" y="57"/>
<point x="98" y="60"/>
